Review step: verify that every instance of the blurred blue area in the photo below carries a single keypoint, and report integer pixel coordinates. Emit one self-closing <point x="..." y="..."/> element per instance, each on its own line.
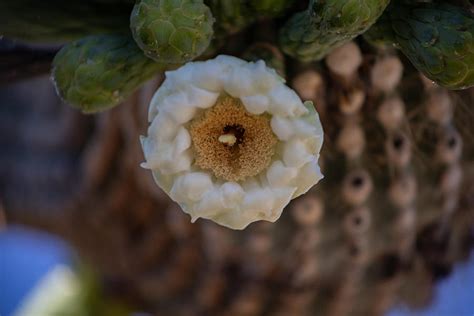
<point x="454" y="296"/>
<point x="25" y="257"/>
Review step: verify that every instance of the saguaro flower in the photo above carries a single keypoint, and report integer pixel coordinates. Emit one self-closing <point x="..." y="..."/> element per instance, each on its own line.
<point x="229" y="141"/>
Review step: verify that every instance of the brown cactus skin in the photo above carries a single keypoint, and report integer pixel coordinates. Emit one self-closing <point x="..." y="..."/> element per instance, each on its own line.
<point x="150" y="255"/>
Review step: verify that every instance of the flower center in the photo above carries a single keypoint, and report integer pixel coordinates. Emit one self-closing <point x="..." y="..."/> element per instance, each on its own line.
<point x="231" y="142"/>
<point x="233" y="135"/>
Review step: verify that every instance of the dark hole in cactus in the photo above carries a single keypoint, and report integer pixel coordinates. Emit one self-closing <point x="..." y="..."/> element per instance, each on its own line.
<point x="354" y="251"/>
<point x="357" y="182"/>
<point x="357" y="220"/>
<point x="137" y="233"/>
<point x="433" y="243"/>
<point x="237" y="130"/>
<point x="389" y="265"/>
<point x="452" y="142"/>
<point x="398" y="142"/>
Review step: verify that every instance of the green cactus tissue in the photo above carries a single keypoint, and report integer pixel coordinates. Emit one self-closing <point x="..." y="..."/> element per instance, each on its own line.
<point x="437" y="38"/>
<point x="172" y="31"/>
<point x="311" y="34"/>
<point x="98" y="72"/>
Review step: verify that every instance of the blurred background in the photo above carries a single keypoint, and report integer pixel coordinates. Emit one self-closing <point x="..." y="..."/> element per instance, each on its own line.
<point x="389" y="231"/>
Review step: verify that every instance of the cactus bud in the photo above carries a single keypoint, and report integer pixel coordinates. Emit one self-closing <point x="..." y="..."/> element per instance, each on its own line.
<point x="436" y="38"/>
<point x="170" y="31"/>
<point x="98" y="72"/>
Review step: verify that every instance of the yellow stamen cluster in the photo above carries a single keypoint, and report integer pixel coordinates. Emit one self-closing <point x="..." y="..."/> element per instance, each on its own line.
<point x="231" y="155"/>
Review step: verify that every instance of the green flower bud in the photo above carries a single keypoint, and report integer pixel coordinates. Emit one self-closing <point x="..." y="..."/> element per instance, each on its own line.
<point x="98" y="72"/>
<point x="172" y="31"/>
<point x="311" y="34"/>
<point x="437" y="38"/>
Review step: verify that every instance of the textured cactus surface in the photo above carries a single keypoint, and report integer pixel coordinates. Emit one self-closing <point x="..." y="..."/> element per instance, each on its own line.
<point x="437" y="38"/>
<point x="311" y="34"/>
<point x="393" y="214"/>
<point x="98" y="72"/>
<point x="172" y="31"/>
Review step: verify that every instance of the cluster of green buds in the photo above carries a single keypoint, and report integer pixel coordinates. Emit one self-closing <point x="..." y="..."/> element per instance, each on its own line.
<point x="438" y="38"/>
<point x="119" y="44"/>
<point x="97" y="72"/>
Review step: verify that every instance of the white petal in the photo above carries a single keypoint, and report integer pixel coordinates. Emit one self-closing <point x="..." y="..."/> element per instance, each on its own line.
<point x="179" y="77"/>
<point x="309" y="175"/>
<point x="238" y="83"/>
<point x="258" y="203"/>
<point x="304" y="128"/>
<point x="178" y="107"/>
<point x="210" y="204"/>
<point x="313" y="118"/>
<point x="163" y="158"/>
<point x="282" y="127"/>
<point x="295" y="153"/>
<point x="230" y="60"/>
<point x="255" y="104"/>
<point x="232" y="194"/>
<point x="264" y="78"/>
<point x="283" y="196"/>
<point x="201" y="98"/>
<point x="191" y="187"/>
<point x="165" y="182"/>
<point x="169" y="157"/>
<point x="159" y="155"/>
<point x="158" y="97"/>
<point x="163" y="128"/>
<point x="285" y="102"/>
<point x="250" y="184"/>
<point x="209" y="75"/>
<point x="149" y="151"/>
<point x="180" y="163"/>
<point x="313" y="144"/>
<point x="182" y="141"/>
<point x="280" y="175"/>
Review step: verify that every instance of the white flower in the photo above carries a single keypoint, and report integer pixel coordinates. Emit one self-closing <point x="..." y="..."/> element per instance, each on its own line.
<point x="230" y="142"/>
